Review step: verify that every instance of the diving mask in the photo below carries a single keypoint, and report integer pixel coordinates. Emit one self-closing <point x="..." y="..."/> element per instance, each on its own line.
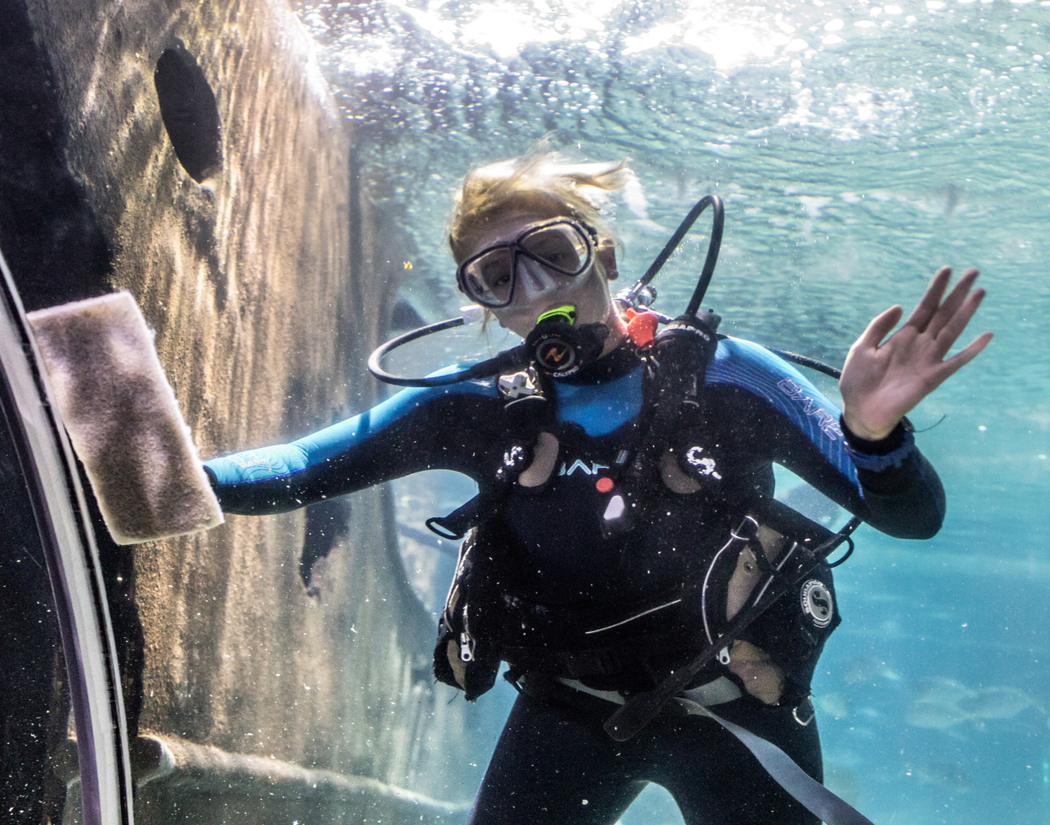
<point x="562" y="246"/>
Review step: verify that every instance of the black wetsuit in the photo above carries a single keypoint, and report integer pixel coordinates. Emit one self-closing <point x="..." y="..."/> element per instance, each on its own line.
<point x="554" y="763"/>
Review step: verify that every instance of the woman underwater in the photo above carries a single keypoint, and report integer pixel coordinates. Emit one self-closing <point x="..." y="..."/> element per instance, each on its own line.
<point x="587" y="614"/>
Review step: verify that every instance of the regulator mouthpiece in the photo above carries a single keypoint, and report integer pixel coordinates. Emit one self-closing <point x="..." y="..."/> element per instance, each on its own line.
<point x="558" y="347"/>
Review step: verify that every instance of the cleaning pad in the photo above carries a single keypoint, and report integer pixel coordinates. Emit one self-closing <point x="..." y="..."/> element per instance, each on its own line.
<point x="123" y="419"/>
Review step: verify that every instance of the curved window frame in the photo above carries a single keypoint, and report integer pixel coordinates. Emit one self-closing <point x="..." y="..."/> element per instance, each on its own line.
<point x="66" y="538"/>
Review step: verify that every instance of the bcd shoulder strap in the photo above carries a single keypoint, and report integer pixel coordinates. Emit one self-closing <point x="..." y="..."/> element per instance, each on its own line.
<point x="528" y="412"/>
<point x="467" y="654"/>
<point x="679" y="356"/>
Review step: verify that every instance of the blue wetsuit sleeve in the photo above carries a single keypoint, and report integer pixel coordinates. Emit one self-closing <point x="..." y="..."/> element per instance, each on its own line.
<point x="889" y="484"/>
<point x="419" y="429"/>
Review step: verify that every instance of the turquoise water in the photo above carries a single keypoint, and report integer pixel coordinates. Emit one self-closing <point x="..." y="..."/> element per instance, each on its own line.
<point x="858" y="147"/>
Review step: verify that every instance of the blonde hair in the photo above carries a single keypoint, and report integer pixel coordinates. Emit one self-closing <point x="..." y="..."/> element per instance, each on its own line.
<point x="543" y="180"/>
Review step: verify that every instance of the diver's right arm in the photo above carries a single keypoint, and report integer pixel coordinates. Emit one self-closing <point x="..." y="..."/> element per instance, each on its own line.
<point x="419" y="429"/>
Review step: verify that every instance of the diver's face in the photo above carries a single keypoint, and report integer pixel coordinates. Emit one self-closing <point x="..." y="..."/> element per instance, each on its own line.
<point x="538" y="288"/>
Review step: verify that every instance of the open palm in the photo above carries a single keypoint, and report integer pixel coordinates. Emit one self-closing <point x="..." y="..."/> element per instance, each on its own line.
<point x="883" y="380"/>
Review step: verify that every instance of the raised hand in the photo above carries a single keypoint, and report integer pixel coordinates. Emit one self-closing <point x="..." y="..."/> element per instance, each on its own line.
<point x="883" y="380"/>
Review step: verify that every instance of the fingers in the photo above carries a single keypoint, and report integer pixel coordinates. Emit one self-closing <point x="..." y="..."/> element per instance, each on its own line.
<point x="954" y="324"/>
<point x="933" y="327"/>
<point x="950" y="317"/>
<point x="961" y="359"/>
<point x="880" y="327"/>
<point x="956" y="299"/>
<point x="931" y="301"/>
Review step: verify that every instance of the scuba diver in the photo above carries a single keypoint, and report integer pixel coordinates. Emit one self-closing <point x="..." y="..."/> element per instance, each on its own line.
<point x="660" y="612"/>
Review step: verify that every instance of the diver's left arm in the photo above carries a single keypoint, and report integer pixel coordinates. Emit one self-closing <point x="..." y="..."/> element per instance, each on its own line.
<point x="901" y="493"/>
<point x="883" y="380"/>
<point x="762" y="410"/>
<point x="785" y="419"/>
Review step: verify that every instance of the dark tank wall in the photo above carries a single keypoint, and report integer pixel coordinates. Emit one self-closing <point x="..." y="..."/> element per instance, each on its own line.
<point x="192" y="154"/>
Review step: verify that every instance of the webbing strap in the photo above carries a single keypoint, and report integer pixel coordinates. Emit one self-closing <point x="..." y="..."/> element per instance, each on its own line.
<point x="815" y="797"/>
<point x="717" y="692"/>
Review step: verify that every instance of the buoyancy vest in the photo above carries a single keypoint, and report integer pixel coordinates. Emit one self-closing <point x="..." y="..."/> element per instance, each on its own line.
<point x="632" y="646"/>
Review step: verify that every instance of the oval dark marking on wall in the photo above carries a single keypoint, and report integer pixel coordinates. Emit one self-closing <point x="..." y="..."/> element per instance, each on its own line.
<point x="189" y="111"/>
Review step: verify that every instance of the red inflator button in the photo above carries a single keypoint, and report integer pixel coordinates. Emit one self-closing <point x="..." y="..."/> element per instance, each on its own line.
<point x="641" y="326"/>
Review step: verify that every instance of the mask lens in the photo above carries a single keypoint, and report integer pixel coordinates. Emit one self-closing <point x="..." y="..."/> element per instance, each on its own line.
<point x="489" y="277"/>
<point x="561" y="248"/>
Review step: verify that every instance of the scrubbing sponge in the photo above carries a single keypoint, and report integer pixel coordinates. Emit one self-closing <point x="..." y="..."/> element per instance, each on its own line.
<point x="123" y="419"/>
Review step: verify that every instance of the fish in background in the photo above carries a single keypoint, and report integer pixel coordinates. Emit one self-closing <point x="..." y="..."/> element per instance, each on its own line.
<point x="952" y="196"/>
<point x="859" y="671"/>
<point x="835" y="704"/>
<point x="999" y="703"/>
<point x="941" y="703"/>
<point x="1046" y="777"/>
<point x="937" y="703"/>
<point x="868" y="670"/>
<point x="943" y="774"/>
